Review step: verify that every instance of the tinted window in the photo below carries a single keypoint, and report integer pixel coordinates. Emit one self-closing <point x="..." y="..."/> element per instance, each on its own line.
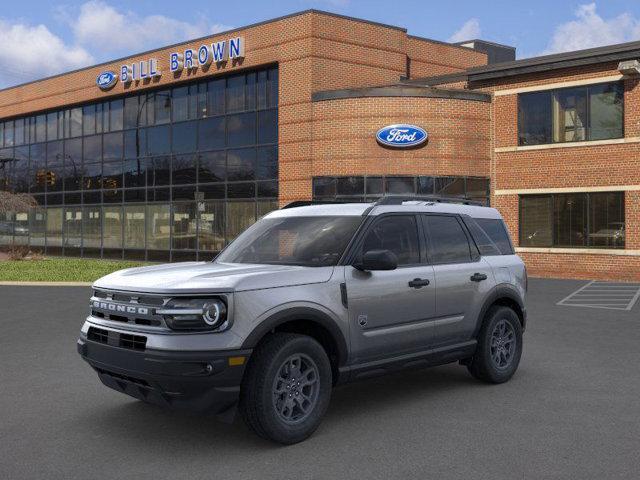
<point x="497" y="232"/>
<point x="447" y="241"/>
<point x="398" y="234"/>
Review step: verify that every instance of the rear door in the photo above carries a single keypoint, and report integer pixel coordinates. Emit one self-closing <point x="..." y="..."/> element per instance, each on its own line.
<point x="463" y="278"/>
<point x="390" y="311"/>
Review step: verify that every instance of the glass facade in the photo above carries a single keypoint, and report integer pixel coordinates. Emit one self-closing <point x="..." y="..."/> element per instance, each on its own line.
<point x="170" y="174"/>
<point x="370" y="188"/>
<point x="573" y="220"/>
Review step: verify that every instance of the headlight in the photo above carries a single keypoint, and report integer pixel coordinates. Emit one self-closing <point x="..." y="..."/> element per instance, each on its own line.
<point x="195" y="314"/>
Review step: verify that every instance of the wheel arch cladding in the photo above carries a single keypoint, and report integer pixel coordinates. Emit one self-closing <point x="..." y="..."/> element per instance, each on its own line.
<point x="306" y="321"/>
<point x="505" y="296"/>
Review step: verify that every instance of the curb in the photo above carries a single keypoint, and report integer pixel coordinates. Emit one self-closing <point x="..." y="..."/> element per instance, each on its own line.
<point x="46" y="284"/>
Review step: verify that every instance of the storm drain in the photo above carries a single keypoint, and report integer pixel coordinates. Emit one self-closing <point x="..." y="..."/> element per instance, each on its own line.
<point x="612" y="296"/>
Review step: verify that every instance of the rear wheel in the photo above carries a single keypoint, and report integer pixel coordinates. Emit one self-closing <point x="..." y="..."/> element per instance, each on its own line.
<point x="287" y="388"/>
<point x="499" y="346"/>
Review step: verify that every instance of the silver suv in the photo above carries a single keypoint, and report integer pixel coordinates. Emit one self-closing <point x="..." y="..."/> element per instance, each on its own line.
<point x="309" y="297"/>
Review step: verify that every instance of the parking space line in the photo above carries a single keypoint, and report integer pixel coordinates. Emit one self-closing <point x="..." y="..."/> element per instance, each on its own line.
<point x="612" y="296"/>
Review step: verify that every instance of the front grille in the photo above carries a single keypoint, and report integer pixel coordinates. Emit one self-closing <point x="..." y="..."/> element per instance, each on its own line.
<point x="128" y="308"/>
<point x="123" y="340"/>
<point x="126" y="378"/>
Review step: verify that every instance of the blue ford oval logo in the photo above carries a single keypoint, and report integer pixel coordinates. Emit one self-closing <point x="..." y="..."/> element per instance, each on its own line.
<point x="106" y="80"/>
<point x="401" y="136"/>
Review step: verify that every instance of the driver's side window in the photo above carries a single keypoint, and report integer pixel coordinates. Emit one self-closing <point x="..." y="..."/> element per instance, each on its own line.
<point x="397" y="233"/>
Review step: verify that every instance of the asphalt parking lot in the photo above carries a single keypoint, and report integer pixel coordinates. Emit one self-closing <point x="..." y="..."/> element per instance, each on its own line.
<point x="571" y="411"/>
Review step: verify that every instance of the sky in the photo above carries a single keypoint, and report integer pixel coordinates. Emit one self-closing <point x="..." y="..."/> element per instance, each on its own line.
<point x="39" y="38"/>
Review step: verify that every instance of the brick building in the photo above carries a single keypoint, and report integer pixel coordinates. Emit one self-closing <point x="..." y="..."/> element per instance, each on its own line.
<point x="169" y="154"/>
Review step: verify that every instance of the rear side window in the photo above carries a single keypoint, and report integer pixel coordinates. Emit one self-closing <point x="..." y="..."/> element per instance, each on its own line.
<point x="447" y="241"/>
<point x="497" y="232"/>
<point x="486" y="246"/>
<point x="398" y="233"/>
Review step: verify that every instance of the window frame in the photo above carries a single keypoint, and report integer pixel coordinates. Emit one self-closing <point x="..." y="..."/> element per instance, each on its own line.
<point x="552" y="93"/>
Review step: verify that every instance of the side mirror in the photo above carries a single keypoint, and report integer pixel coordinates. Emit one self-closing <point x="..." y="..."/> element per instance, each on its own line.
<point x="378" y="260"/>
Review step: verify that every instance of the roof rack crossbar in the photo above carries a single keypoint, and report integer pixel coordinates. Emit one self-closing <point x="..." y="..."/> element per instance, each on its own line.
<point x="400" y="199"/>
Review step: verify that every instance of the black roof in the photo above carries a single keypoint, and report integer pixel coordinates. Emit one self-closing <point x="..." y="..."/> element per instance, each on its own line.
<point x="590" y="56"/>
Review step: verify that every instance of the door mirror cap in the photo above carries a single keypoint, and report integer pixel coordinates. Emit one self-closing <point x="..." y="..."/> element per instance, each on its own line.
<point x="378" y="260"/>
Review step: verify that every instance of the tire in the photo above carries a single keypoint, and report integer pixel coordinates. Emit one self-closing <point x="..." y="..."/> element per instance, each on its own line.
<point x="276" y="405"/>
<point x="496" y="360"/>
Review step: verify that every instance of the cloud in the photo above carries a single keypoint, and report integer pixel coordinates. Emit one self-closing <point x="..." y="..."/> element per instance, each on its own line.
<point x="469" y="31"/>
<point x="109" y="30"/>
<point x="28" y="52"/>
<point x="589" y="29"/>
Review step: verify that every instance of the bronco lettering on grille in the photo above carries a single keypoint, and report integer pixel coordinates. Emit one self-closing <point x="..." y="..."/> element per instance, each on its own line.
<point x="114" y="307"/>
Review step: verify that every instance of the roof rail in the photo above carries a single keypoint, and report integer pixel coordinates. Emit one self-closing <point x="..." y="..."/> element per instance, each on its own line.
<point x="400" y="199"/>
<point x="307" y="203"/>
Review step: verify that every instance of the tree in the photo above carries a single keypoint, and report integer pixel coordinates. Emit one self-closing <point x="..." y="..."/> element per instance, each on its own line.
<point x="16" y="202"/>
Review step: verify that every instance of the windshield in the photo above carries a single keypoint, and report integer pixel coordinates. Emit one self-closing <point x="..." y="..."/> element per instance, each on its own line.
<point x="305" y="241"/>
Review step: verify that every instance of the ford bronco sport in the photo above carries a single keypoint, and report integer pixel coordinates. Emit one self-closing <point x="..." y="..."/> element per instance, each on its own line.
<point x="309" y="297"/>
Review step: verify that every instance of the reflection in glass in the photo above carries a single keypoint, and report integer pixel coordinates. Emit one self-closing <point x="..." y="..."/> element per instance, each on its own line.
<point x="112" y="227"/>
<point x="158" y="227"/>
<point x="184" y="226"/>
<point x="211" y="227"/>
<point x="134" y="226"/>
<point x="92" y="227"/>
<point x="240" y="215"/>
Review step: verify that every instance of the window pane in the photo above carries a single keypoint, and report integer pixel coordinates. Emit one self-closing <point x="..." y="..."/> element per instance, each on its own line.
<point x="37" y="168"/>
<point x="180" y="103"/>
<point x="41" y="129"/>
<point x="447" y="241"/>
<point x="211" y="227"/>
<point x="241" y="190"/>
<point x="73" y="227"/>
<point x="268" y="126"/>
<point x="73" y="164"/>
<point x="112" y="175"/>
<point x="112" y="145"/>
<point x="606" y="104"/>
<point x="607" y="220"/>
<point x="75" y="122"/>
<point x="240" y="215"/>
<point x="350" y="186"/>
<point x="134" y="226"/>
<point x="19" y="131"/>
<point x="477" y="187"/>
<point x="184" y="169"/>
<point x="92" y="176"/>
<point x="267" y="168"/>
<point x="235" y="93"/>
<point x="135" y="172"/>
<point x="536" y="217"/>
<point x="102" y="117"/>
<point x="449" y="186"/>
<point x="486" y="246"/>
<point x="534" y="118"/>
<point x="374" y="186"/>
<point x="184" y="137"/>
<point x="116" y="115"/>
<point x="399" y="234"/>
<point x="250" y="91"/>
<point x="37" y="226"/>
<point x="212" y="167"/>
<point x="92" y="149"/>
<point x="570" y="115"/>
<point x="400" y="185"/>
<point x="52" y="126"/>
<point x="570" y="218"/>
<point x="211" y="133"/>
<point x="272" y="88"/>
<point x="54" y="227"/>
<point x="135" y="143"/>
<point x="159" y="140"/>
<point x="89" y="120"/>
<point x="112" y="227"/>
<point x="92" y="227"/>
<point x="21" y="170"/>
<point x="261" y="88"/>
<point x="55" y="165"/>
<point x="158" y="227"/>
<point x="241" y="164"/>
<point x="131" y="112"/>
<point x="215" y="95"/>
<point x="162" y="107"/>
<point x="426" y="185"/>
<point x="241" y="129"/>
<point x="324" y="187"/>
<point x="161" y="171"/>
<point x="184" y="226"/>
<point x="8" y="134"/>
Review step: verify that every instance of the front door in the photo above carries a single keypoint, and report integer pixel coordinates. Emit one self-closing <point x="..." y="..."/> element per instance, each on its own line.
<point x="390" y="311"/>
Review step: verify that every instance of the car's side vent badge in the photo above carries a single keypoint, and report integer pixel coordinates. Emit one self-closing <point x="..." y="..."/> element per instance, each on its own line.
<point x="362" y="320"/>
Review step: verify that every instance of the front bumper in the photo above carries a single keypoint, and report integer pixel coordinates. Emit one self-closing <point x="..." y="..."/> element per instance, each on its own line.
<point x="197" y="381"/>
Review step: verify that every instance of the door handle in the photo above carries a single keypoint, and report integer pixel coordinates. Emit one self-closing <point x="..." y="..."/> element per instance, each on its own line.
<point x="478" y="277"/>
<point x="418" y="283"/>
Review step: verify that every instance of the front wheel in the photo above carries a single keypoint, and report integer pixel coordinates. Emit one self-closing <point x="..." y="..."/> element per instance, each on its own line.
<point x="499" y="346"/>
<point x="287" y="387"/>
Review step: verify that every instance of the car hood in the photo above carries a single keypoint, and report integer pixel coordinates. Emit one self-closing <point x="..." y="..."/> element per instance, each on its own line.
<point x="208" y="277"/>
